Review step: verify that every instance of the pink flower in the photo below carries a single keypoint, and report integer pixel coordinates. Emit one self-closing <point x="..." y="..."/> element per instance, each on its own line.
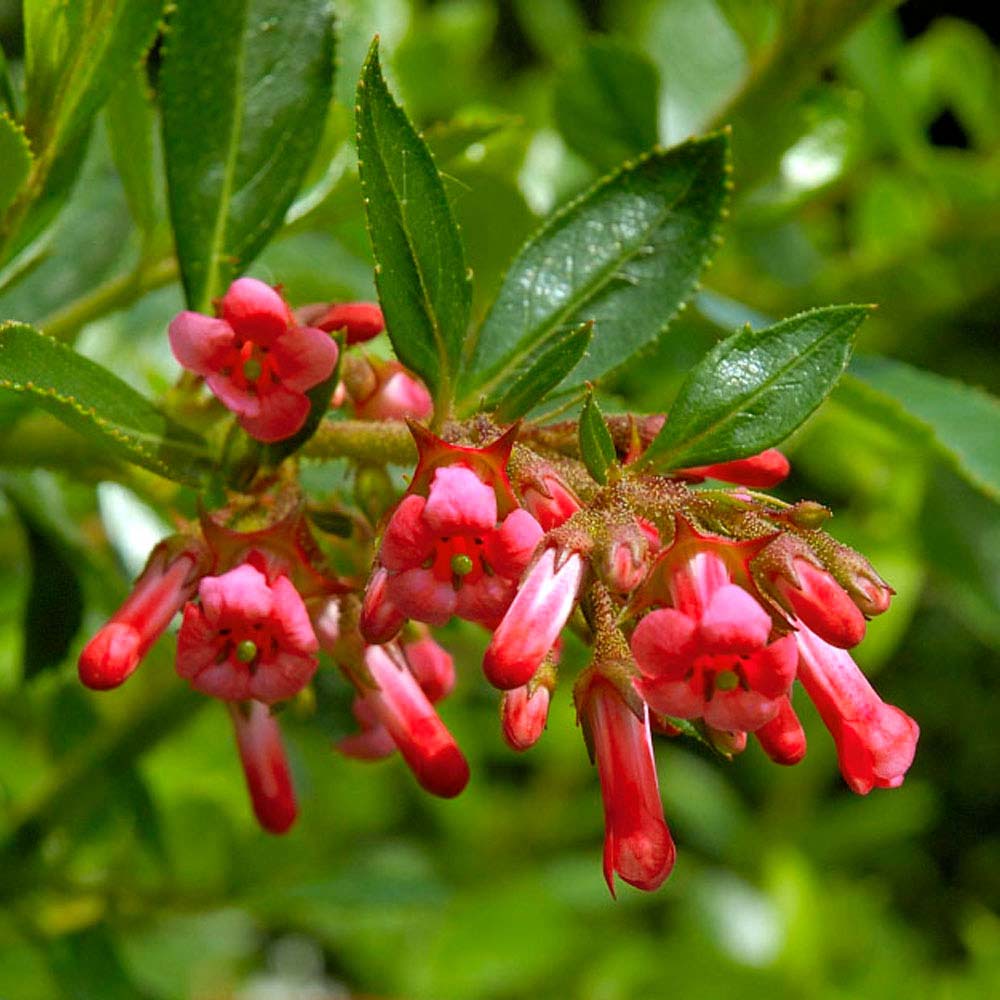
<point x="875" y="741"/>
<point x="637" y="843"/>
<point x="159" y="593"/>
<point x="248" y="638"/>
<point x="255" y="359"/>
<point x="626" y="557"/>
<point x="396" y="394"/>
<point x="760" y="471"/>
<point x="708" y="656"/>
<point x="818" y="601"/>
<point x="524" y="716"/>
<point x="399" y="704"/>
<point x="534" y="620"/>
<point x="446" y="555"/>
<point x="265" y="766"/>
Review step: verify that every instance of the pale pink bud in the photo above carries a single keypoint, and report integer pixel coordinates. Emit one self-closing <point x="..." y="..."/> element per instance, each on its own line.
<point x="159" y="593"/>
<point x="875" y="741"/>
<point x="524" y="717"/>
<point x="380" y="618"/>
<point x="625" y="561"/>
<point x="783" y="739"/>
<point x="550" y="503"/>
<point x="396" y="395"/>
<point x="534" y="620"/>
<point x="265" y="766"/>
<point x="416" y="729"/>
<point x="637" y="843"/>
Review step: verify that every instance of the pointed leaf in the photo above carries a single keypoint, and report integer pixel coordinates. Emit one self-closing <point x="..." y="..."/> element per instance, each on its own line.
<point x="15" y="159"/>
<point x="627" y="255"/>
<point x="546" y="371"/>
<point x="420" y="269"/>
<point x="605" y="103"/>
<point x="597" y="448"/>
<point x="960" y="422"/>
<point x="95" y="402"/>
<point x="244" y="88"/>
<point x="754" y="388"/>
<point x="130" y="120"/>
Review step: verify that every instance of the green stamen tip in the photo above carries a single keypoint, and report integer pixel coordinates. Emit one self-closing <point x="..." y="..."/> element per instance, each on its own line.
<point x="252" y="369"/>
<point x="461" y="564"/>
<point x="726" y="680"/>
<point x="246" y="651"/>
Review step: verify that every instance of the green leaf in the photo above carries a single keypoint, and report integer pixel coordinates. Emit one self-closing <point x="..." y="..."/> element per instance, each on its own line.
<point x="93" y="401"/>
<point x="423" y="284"/>
<point x="627" y="255"/>
<point x="961" y="423"/>
<point x="450" y="139"/>
<point x="75" y="53"/>
<point x="130" y="120"/>
<point x="756" y="387"/>
<point x="244" y="88"/>
<point x="546" y="371"/>
<point x="8" y="95"/>
<point x="597" y="448"/>
<point x="15" y="160"/>
<point x="605" y="103"/>
<point x="53" y="612"/>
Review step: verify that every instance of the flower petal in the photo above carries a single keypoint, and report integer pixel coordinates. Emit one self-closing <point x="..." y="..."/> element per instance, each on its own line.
<point x="282" y="413"/>
<point x="303" y="357"/>
<point x="200" y="344"/>
<point x="459" y="501"/>
<point x="255" y="311"/>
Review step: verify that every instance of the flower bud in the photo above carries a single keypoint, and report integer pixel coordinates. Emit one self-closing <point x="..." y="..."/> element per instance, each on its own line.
<point x="549" y="500"/>
<point x="783" y="738"/>
<point x="524" y="716"/>
<point x="820" y="603"/>
<point x="360" y="320"/>
<point x="758" y="471"/>
<point x="265" y="766"/>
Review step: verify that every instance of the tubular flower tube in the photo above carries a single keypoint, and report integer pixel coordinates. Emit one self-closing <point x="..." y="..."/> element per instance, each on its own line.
<point x="447" y="555"/>
<point x="534" y="620"/>
<point x="247" y="638"/>
<point x="875" y="741"/>
<point x="159" y="593"/>
<point x="524" y="716"/>
<point x="783" y="738"/>
<point x="818" y="601"/>
<point x="637" y="843"/>
<point x="255" y="358"/>
<point x="265" y="765"/>
<point x="404" y="710"/>
<point x="708" y="656"/>
<point x="758" y="471"/>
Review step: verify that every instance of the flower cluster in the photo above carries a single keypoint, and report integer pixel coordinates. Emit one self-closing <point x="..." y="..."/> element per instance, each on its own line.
<point x="703" y="605"/>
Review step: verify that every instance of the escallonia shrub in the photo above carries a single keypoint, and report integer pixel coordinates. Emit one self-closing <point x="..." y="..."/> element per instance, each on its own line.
<point x="527" y="510"/>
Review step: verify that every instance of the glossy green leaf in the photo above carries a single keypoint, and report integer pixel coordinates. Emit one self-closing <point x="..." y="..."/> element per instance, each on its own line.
<point x="53" y="611"/>
<point x="756" y="387"/>
<point x="75" y="54"/>
<point x="627" y="254"/>
<point x="92" y="400"/>
<point x="420" y="270"/>
<point x="244" y="89"/>
<point x="605" y="103"/>
<point x="546" y="371"/>
<point x="8" y="95"/>
<point x="597" y="448"/>
<point x="960" y="422"/>
<point x="15" y="160"/>
<point x="130" y="120"/>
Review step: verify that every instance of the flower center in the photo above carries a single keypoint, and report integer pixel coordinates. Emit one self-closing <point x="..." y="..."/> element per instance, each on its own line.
<point x="246" y="651"/>
<point x="461" y="564"/>
<point x="726" y="680"/>
<point x="252" y="369"/>
<point x="459" y="558"/>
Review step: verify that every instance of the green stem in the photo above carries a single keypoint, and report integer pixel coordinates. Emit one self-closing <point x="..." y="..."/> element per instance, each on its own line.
<point x="115" y="294"/>
<point x="374" y="442"/>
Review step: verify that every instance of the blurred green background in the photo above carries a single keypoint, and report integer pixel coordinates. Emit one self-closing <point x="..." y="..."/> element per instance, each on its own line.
<point x="867" y="151"/>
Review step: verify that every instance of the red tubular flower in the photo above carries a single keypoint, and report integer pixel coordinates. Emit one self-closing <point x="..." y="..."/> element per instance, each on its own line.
<point x="875" y="741"/>
<point x="159" y="593"/>
<point x="549" y="500"/>
<point x="783" y="739"/>
<point x="446" y="555"/>
<point x="396" y="394"/>
<point x="534" y="620"/>
<point x="708" y="655"/>
<point x="759" y="471"/>
<point x="262" y="753"/>
<point x="524" y="716"/>
<point x="359" y="320"/>
<point x="248" y="638"/>
<point x="818" y="601"/>
<point x="401" y="706"/>
<point x="255" y="359"/>
<point x="637" y="843"/>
